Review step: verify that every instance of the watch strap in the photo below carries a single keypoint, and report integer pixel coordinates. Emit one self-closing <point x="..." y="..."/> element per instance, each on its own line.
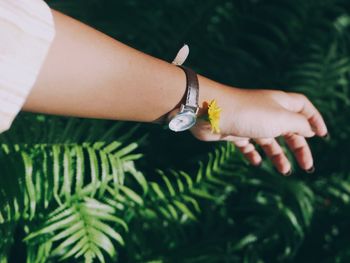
<point x="192" y="89"/>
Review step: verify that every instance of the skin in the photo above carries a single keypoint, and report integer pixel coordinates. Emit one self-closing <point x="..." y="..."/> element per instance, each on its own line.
<point x="88" y="74"/>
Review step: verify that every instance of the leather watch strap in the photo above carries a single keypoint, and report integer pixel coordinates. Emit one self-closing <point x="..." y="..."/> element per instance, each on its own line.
<point x="192" y="88"/>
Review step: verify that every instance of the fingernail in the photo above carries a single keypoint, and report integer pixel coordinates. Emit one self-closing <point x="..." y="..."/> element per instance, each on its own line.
<point x="288" y="173"/>
<point x="311" y="170"/>
<point x="256" y="165"/>
<point x="326" y="137"/>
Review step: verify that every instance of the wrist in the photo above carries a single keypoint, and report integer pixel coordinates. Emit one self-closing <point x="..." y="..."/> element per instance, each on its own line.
<point x="208" y="91"/>
<point x="211" y="90"/>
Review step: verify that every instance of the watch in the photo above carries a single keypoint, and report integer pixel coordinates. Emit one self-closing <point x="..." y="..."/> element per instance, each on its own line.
<point x="186" y="117"/>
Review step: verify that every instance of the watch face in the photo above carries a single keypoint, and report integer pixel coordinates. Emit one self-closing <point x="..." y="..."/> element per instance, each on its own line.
<point x="182" y="121"/>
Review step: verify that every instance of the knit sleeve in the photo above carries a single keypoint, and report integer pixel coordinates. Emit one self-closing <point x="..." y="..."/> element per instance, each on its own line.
<point x="26" y="32"/>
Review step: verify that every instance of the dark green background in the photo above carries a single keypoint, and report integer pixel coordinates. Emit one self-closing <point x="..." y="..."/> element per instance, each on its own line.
<point x="256" y="215"/>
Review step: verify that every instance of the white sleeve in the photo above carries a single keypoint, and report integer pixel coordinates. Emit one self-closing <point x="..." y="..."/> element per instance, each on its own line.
<point x="26" y="33"/>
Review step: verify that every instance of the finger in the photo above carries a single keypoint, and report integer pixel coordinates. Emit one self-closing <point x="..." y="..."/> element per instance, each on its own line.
<point x="246" y="148"/>
<point x="239" y="142"/>
<point x="302" y="104"/>
<point x="293" y="122"/>
<point x="202" y="131"/>
<point x="300" y="148"/>
<point x="274" y="151"/>
<point x="250" y="153"/>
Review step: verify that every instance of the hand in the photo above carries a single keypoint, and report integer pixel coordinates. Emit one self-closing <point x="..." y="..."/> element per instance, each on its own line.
<point x="263" y="115"/>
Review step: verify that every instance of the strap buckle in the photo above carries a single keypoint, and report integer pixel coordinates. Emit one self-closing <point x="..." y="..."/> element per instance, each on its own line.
<point x="193" y="109"/>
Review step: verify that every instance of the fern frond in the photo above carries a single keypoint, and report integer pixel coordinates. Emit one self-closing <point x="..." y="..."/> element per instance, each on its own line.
<point x="82" y="228"/>
<point x="44" y="178"/>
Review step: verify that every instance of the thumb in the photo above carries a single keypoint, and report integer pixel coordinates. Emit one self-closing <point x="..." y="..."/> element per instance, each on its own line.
<point x="296" y="123"/>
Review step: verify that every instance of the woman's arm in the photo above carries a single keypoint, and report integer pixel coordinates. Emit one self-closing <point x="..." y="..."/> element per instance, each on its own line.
<point x="88" y="74"/>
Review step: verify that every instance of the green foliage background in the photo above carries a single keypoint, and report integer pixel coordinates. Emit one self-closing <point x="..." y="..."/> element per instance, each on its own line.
<point x="99" y="191"/>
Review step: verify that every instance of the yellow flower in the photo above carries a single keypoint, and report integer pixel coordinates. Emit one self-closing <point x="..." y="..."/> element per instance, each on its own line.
<point x="214" y="112"/>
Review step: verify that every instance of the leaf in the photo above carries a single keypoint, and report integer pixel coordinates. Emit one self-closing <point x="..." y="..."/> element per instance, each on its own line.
<point x="168" y="185"/>
<point x="102" y="241"/>
<point x="155" y="187"/>
<point x="82" y="227"/>
<point x="94" y="168"/>
<point x="184" y="209"/>
<point x="29" y="183"/>
<point x="131" y="194"/>
<point x="80" y="170"/>
<point x="140" y="178"/>
<point x="108" y="231"/>
<point x="251" y="238"/>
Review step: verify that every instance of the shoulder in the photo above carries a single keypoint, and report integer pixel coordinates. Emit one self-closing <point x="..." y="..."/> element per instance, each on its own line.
<point x="26" y="33"/>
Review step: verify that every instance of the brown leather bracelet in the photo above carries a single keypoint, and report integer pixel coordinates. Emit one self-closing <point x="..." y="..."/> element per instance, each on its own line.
<point x="191" y="96"/>
<point x="192" y="89"/>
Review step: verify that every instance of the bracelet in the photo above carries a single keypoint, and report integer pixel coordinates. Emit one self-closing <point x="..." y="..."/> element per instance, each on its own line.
<point x="214" y="111"/>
